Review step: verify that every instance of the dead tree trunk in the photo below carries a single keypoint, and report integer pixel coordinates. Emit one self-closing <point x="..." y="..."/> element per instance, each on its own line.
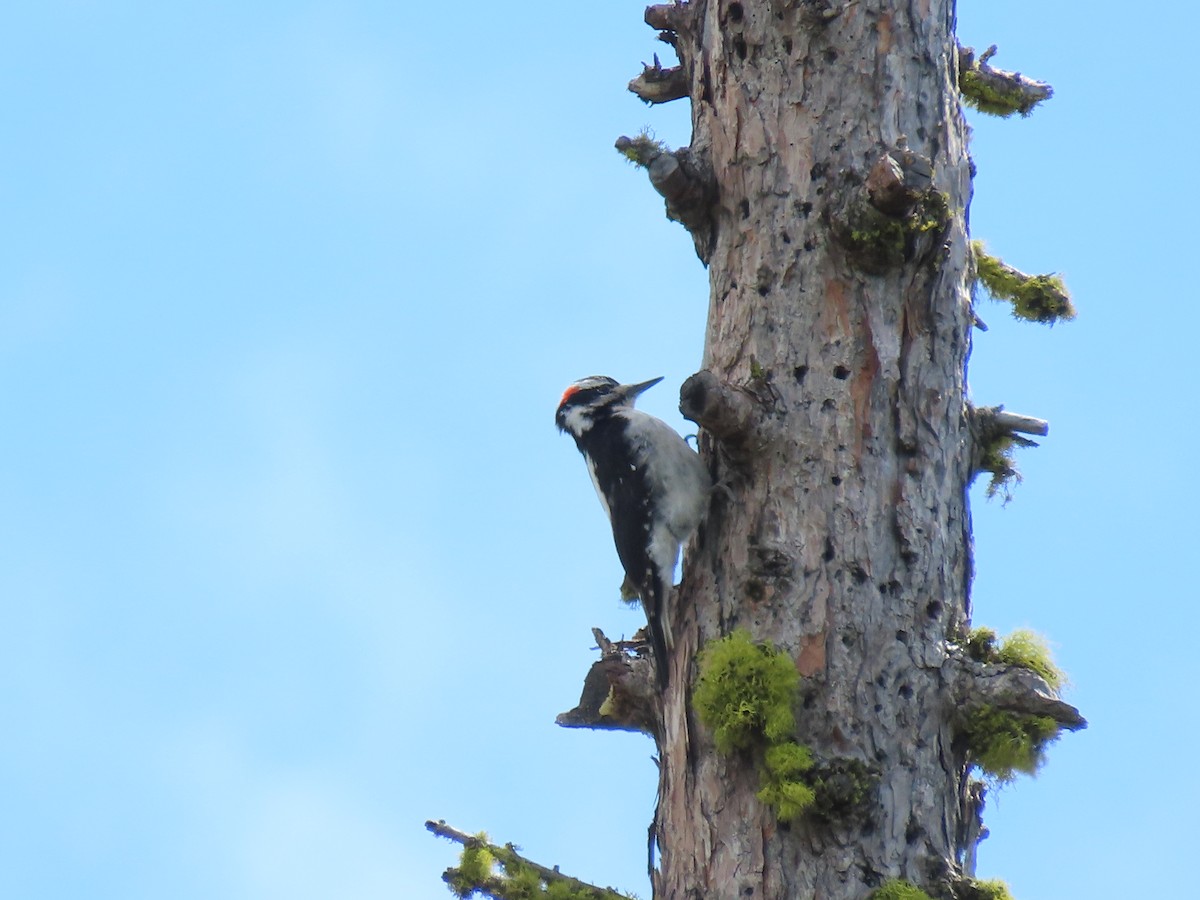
<point x="826" y="187"/>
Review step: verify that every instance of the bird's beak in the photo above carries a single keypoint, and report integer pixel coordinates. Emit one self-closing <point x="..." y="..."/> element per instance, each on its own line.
<point x="631" y="391"/>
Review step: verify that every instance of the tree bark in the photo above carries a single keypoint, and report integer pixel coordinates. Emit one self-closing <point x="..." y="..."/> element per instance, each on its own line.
<point x="847" y="538"/>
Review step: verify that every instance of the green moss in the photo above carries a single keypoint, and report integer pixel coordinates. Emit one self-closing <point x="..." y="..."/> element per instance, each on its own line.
<point x="993" y="889"/>
<point x="842" y="788"/>
<point x="994" y="448"/>
<point x="875" y="240"/>
<point x="789" y="799"/>
<point x="1035" y="298"/>
<point x="1003" y="743"/>
<point x="1024" y="647"/>
<point x="981" y="645"/>
<point x="642" y="149"/>
<point x="898" y="890"/>
<point x="987" y="96"/>
<point x="498" y="871"/>
<point x="782" y="787"/>
<point x="879" y="242"/>
<point x="475" y="866"/>
<point x="745" y="692"/>
<point x="1029" y="650"/>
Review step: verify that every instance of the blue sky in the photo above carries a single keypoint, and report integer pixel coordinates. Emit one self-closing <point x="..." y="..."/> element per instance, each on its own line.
<point x="291" y="556"/>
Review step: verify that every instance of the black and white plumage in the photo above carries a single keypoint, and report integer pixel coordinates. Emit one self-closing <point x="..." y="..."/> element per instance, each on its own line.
<point x="653" y="486"/>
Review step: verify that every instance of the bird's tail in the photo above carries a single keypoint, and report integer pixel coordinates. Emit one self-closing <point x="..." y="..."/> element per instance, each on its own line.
<point x="655" y="600"/>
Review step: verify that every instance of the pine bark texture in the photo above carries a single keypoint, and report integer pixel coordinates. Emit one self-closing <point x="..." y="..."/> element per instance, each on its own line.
<point x="847" y="538"/>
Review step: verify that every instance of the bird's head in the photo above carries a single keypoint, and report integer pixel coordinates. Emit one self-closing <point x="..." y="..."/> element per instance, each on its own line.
<point x="592" y="396"/>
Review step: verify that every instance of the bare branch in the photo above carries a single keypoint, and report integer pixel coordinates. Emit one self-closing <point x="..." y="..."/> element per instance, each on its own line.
<point x="683" y="179"/>
<point x="618" y="691"/>
<point x="996" y="435"/>
<point x="508" y="857"/>
<point x="995" y="91"/>
<point x="1011" y="688"/>
<point x="668" y="16"/>
<point x="731" y="414"/>
<point x="1020" y="424"/>
<point x="659" y="85"/>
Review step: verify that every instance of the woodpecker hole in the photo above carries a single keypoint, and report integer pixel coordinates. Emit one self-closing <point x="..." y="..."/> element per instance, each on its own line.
<point x="805" y="208"/>
<point x="828" y="554"/>
<point x="905" y="691"/>
<point x="798" y="373"/>
<point x="913" y="832"/>
<point x="847" y="640"/>
<point x="841" y="373"/>
<point x="787" y="238"/>
<point x="859" y="574"/>
<point x="787" y="46"/>
<point x="744" y="206"/>
<point x="810" y="244"/>
<point x="902" y="636"/>
<point x="831" y="55"/>
<point x="735" y="12"/>
<point x="835" y="480"/>
<point x="763" y="290"/>
<point x="828" y="405"/>
<point x="933" y="609"/>
<point x="739" y="47"/>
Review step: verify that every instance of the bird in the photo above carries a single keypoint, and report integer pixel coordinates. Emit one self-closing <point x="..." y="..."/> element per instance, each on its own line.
<point x="653" y="486"/>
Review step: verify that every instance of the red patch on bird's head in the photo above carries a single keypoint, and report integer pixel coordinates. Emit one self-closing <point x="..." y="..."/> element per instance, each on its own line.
<point x="568" y="394"/>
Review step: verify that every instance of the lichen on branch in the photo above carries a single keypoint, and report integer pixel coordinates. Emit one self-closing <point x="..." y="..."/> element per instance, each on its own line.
<point x="502" y="873"/>
<point x="1035" y="298"/>
<point x="995" y="91"/>
<point x="641" y="149"/>
<point x="997" y="434"/>
<point x="1008" y="697"/>
<point x="1024" y="647"/>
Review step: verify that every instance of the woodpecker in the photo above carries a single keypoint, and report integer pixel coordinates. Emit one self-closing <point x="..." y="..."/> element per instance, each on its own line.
<point x="653" y="486"/>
